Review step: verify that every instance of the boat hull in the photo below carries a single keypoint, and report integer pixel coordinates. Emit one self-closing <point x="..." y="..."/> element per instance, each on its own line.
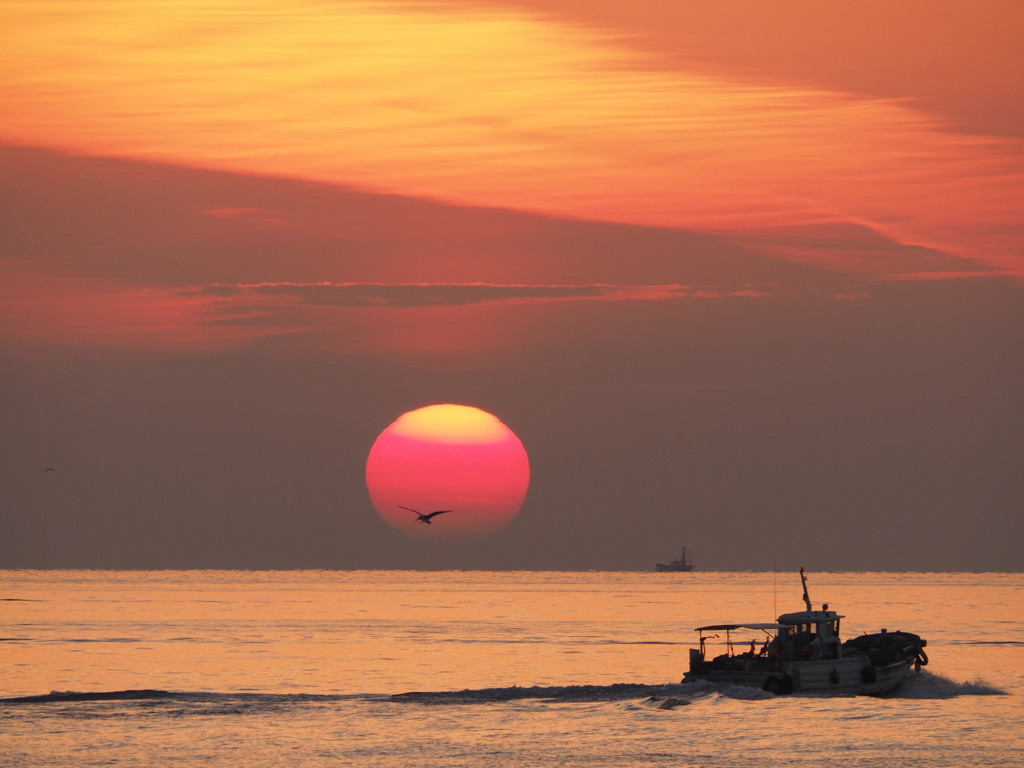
<point x="836" y="677"/>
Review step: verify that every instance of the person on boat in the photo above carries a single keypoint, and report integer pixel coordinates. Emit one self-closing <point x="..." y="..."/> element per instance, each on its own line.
<point x="807" y="648"/>
<point x="813" y="649"/>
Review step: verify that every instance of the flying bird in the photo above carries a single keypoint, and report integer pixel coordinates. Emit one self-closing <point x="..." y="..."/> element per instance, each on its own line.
<point x="425" y="518"/>
<point x="49" y="469"/>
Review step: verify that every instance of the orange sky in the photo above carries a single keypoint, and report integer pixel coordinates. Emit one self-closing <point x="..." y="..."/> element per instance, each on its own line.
<point x="723" y="266"/>
<point x="573" y="109"/>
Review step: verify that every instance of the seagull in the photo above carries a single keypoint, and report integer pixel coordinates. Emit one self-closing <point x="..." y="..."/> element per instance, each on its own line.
<point x="49" y="469"/>
<point x="425" y="518"/>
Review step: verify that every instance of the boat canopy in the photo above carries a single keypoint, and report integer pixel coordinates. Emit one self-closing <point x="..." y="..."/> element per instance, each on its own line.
<point x="809" y="617"/>
<point x="730" y="627"/>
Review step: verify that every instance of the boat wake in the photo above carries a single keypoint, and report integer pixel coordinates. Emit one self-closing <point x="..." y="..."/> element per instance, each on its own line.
<point x="929" y="685"/>
<point x="71" y="696"/>
<point x="566" y="693"/>
<point x="923" y="685"/>
<point x="155" y="696"/>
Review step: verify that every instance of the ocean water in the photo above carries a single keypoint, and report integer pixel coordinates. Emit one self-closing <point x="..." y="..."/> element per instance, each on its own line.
<point x="304" y="668"/>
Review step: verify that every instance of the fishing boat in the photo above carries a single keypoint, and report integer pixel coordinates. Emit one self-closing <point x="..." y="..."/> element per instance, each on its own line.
<point x="682" y="565"/>
<point x="802" y="653"/>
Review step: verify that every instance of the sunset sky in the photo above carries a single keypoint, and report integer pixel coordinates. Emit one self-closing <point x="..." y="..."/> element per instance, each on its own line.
<point x="741" y="276"/>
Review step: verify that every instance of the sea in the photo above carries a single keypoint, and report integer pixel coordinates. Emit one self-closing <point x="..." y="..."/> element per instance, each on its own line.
<point x="481" y="669"/>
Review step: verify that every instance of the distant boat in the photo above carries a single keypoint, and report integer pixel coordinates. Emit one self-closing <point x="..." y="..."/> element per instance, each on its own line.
<point x="682" y="565"/>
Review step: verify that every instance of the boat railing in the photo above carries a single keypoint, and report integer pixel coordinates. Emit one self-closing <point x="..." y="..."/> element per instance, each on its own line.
<point x="764" y="645"/>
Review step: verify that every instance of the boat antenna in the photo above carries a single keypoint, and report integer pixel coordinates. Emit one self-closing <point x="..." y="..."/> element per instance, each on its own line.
<point x="775" y="594"/>
<point x="803" y="580"/>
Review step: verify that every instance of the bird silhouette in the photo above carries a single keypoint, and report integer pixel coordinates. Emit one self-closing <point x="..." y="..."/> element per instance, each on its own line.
<point x="422" y="517"/>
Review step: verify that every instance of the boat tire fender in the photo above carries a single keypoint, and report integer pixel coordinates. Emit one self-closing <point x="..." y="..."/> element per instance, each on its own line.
<point x="868" y="675"/>
<point x="780" y="685"/>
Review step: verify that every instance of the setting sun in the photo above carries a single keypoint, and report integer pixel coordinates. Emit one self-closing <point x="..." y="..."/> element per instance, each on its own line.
<point x="448" y="457"/>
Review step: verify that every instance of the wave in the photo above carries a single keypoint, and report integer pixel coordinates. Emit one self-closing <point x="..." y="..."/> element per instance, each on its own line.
<point x="149" y="694"/>
<point x="986" y="642"/>
<point x="566" y="693"/>
<point x="924" y="685"/>
<point x="545" y="641"/>
<point x="661" y="696"/>
<point x="931" y="685"/>
<point x="645" y="642"/>
<point x="64" y="696"/>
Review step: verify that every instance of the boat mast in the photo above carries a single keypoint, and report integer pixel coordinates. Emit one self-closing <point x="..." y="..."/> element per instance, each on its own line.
<point x="803" y="580"/>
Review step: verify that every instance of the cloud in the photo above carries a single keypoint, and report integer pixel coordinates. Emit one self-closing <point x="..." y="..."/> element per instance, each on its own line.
<point x="411" y="295"/>
<point x="502" y="108"/>
<point x="48" y="307"/>
<point x="425" y="319"/>
<point x="943" y="276"/>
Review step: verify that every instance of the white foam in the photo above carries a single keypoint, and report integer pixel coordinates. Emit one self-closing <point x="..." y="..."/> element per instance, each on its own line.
<point x="929" y="685"/>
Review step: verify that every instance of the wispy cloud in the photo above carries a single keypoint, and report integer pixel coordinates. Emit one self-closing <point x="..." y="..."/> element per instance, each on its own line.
<point x="496" y="107"/>
<point x="55" y="308"/>
<point x="409" y="295"/>
<point x="944" y="276"/>
<point x="89" y="312"/>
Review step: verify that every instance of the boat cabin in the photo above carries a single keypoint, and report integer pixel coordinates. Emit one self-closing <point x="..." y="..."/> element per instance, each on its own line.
<point x="801" y="636"/>
<point x="811" y="635"/>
